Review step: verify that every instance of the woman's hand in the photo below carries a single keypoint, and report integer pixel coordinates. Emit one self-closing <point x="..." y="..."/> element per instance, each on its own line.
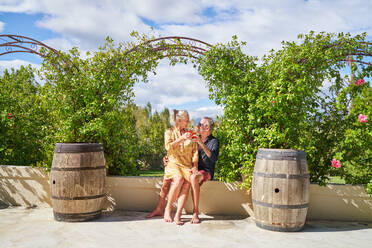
<point x="165" y="161"/>
<point x="186" y="136"/>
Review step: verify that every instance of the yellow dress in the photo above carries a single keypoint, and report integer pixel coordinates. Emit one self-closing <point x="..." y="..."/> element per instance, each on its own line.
<point x="182" y="157"/>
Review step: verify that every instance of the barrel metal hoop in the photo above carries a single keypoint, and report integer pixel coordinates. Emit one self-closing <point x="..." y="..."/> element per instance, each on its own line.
<point x="78" y="147"/>
<point x="278" y="228"/>
<point x="286" y="176"/>
<point x="265" y="204"/>
<point x="77" y="216"/>
<point x="78" y="197"/>
<point x="289" y="158"/>
<point x="280" y="155"/>
<point x="77" y="168"/>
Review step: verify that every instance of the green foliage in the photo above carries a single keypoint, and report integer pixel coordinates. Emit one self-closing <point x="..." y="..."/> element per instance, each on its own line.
<point x="336" y="180"/>
<point x="277" y="102"/>
<point x="22" y="118"/>
<point x="86" y="99"/>
<point x="89" y="100"/>
<point x="148" y="173"/>
<point x="151" y="129"/>
<point x="354" y="149"/>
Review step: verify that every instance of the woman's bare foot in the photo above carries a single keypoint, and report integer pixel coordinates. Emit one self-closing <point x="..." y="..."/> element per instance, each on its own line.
<point x="168" y="215"/>
<point x="177" y="220"/>
<point x="156" y="212"/>
<point x="195" y="218"/>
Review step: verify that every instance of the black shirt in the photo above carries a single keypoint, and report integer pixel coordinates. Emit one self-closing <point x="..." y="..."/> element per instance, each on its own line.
<point x="206" y="163"/>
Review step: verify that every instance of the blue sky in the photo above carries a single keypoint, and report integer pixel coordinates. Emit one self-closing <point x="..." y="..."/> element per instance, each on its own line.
<point x="63" y="24"/>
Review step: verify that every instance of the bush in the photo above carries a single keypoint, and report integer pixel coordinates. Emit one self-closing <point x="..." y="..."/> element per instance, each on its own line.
<point x="89" y="101"/>
<point x="22" y="118"/>
<point x="277" y="102"/>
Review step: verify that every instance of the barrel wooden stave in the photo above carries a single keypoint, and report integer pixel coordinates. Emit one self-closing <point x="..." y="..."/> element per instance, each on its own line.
<point x="77" y="184"/>
<point x="286" y="209"/>
<point x="78" y="160"/>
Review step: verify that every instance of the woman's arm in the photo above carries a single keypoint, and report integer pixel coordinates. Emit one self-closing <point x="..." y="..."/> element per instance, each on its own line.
<point x="181" y="139"/>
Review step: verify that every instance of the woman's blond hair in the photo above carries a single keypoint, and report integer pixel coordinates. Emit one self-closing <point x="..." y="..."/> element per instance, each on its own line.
<point x="177" y="114"/>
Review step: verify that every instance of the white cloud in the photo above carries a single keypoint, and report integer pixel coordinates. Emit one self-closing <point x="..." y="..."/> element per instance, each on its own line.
<point x="210" y="111"/>
<point x="84" y="23"/>
<point x="172" y="85"/>
<point x="263" y="24"/>
<point x="16" y="64"/>
<point x="165" y="11"/>
<point x="88" y="28"/>
<point x="59" y="44"/>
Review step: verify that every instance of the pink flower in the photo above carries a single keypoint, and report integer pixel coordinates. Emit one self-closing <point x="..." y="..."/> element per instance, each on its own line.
<point x="336" y="163"/>
<point x="362" y="118"/>
<point x="10" y="116"/>
<point x="272" y="101"/>
<point x="359" y="82"/>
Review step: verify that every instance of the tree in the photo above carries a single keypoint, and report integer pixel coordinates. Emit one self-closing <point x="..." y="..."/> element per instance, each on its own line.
<point x="151" y="128"/>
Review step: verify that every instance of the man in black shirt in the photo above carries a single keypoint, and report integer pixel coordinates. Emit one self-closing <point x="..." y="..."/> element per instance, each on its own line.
<point x="208" y="155"/>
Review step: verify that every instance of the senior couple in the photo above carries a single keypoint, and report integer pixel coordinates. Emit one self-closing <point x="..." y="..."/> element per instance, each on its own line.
<point x="190" y="162"/>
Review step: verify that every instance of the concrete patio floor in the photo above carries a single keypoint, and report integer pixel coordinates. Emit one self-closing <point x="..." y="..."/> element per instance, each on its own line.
<point x="22" y="227"/>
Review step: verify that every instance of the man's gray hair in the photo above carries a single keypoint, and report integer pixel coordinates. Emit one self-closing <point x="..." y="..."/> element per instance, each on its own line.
<point x="210" y="123"/>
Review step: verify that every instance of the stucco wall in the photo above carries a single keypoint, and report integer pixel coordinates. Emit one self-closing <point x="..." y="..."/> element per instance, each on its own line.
<point x="26" y="186"/>
<point x="339" y="202"/>
<point x="141" y="193"/>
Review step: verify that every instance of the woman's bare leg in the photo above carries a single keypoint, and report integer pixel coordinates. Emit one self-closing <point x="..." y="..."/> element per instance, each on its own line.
<point x="182" y="198"/>
<point x="173" y="194"/>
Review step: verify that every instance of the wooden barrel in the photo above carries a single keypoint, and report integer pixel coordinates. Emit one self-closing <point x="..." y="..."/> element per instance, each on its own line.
<point x="77" y="180"/>
<point x="280" y="189"/>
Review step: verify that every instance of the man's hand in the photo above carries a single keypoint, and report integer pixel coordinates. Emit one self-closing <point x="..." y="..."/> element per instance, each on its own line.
<point x="194" y="170"/>
<point x="165" y="161"/>
<point x="196" y="138"/>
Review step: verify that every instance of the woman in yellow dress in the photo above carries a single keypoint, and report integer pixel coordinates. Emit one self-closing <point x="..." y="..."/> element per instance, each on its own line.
<point x="182" y="153"/>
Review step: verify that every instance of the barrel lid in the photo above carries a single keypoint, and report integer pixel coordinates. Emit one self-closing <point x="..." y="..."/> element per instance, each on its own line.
<point x="78" y="147"/>
<point x="280" y="154"/>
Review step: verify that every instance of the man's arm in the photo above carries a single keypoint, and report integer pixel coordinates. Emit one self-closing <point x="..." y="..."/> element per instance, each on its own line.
<point x="205" y="148"/>
<point x="213" y="152"/>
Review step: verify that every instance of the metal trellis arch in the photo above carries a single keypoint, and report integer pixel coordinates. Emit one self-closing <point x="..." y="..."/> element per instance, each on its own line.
<point x="21" y="44"/>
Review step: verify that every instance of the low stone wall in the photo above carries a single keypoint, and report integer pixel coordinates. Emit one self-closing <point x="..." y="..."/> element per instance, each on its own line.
<point x="141" y="194"/>
<point x="339" y="202"/>
<point x="26" y="186"/>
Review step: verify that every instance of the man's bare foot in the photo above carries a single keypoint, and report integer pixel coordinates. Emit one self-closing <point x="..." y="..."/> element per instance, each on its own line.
<point x="156" y="212"/>
<point x="195" y="218"/>
<point x="168" y="216"/>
